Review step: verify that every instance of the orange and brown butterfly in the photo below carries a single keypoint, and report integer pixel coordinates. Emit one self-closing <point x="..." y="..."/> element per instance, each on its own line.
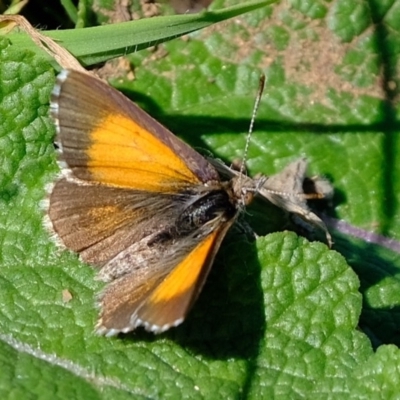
<point x="145" y="208"/>
<point x="137" y="203"/>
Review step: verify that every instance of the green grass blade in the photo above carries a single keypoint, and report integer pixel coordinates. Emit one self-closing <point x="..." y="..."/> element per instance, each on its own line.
<point x="101" y="43"/>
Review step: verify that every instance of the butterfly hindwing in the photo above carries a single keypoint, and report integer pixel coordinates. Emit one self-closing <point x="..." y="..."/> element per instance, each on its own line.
<point x="158" y="298"/>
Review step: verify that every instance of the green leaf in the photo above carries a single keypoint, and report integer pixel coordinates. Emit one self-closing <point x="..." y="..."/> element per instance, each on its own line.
<point x="349" y="18"/>
<point x="98" y="44"/>
<point x="380" y="377"/>
<point x="28" y="373"/>
<point x="277" y="318"/>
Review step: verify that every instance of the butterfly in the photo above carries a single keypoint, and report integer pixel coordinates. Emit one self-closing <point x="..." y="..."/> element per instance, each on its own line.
<point x="140" y="205"/>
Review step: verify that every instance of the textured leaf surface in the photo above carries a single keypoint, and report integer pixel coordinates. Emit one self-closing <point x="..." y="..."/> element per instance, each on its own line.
<point x="278" y="318"/>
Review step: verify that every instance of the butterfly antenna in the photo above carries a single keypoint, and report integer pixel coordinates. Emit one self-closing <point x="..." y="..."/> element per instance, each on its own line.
<point x="253" y="117"/>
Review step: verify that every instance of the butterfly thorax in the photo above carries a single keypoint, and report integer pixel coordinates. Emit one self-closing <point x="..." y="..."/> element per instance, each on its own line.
<point x="214" y="205"/>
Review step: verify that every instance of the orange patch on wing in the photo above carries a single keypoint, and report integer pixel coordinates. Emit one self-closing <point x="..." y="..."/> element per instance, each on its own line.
<point x="183" y="278"/>
<point x="124" y="154"/>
